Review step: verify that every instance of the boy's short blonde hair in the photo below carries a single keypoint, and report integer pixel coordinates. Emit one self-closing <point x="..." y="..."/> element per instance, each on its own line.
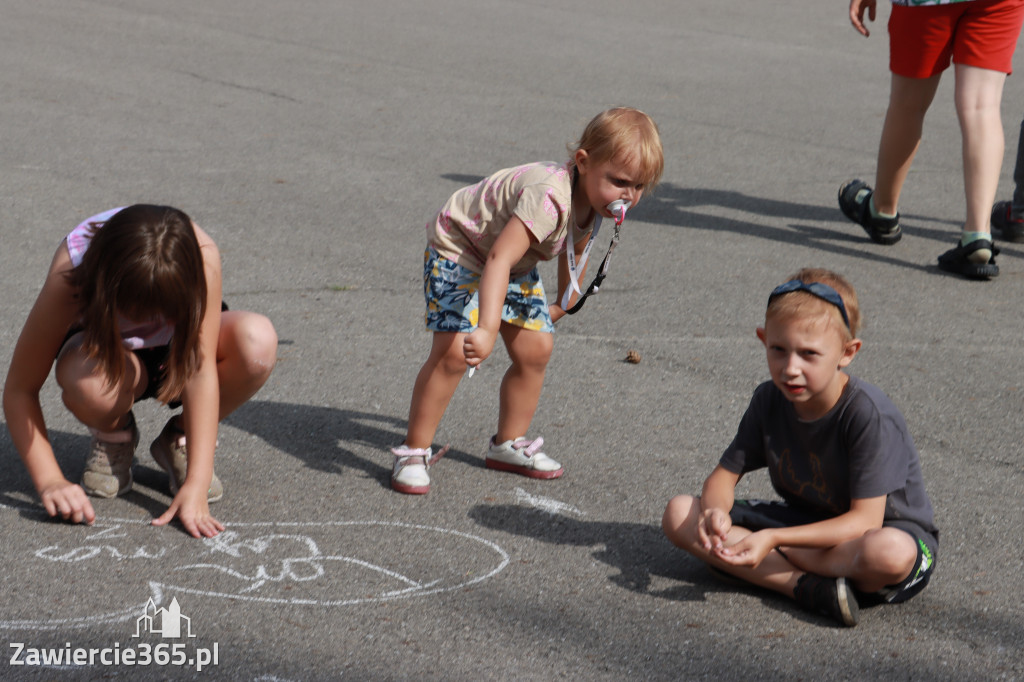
<point x="805" y="304"/>
<point x="628" y="135"/>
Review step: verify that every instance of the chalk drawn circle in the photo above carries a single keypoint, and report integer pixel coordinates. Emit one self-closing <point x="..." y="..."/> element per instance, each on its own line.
<point x="316" y="564"/>
<point x="436" y="562"/>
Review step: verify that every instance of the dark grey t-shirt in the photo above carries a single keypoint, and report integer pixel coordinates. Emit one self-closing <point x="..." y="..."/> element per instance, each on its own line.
<point x="860" y="449"/>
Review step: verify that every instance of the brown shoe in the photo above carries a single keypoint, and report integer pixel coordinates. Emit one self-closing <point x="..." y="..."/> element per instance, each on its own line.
<point x="170" y="453"/>
<point x="108" y="467"/>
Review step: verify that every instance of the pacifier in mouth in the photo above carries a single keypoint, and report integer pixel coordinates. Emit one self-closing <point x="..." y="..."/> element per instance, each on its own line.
<point x="618" y="209"/>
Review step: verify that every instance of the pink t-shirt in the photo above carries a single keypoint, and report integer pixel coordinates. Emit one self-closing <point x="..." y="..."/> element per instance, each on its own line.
<point x="149" y="334"/>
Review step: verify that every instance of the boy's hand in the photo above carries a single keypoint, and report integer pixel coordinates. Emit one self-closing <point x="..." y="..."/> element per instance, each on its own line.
<point x="712" y="527"/>
<point x="857" y="9"/>
<point x="750" y="551"/>
<point x="193" y="510"/>
<point x="69" y="501"/>
<point x="478" y="345"/>
<point x="556" y="312"/>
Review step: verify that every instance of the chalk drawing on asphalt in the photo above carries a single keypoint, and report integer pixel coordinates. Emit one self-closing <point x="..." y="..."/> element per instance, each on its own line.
<point x="315" y="564"/>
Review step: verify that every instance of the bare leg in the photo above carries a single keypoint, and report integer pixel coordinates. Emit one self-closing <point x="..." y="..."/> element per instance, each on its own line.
<point x="246" y="355"/>
<point x="520" y="388"/>
<point x="680" y="525"/>
<point x="435" y="385"/>
<point x="978" y="95"/>
<point x="909" y="99"/>
<point x="1018" y="176"/>
<point x="878" y="558"/>
<point x="88" y="394"/>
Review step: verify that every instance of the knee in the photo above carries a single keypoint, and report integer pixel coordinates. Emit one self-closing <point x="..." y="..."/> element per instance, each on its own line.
<point x="255" y="341"/>
<point x="677" y="519"/>
<point x="533" y="353"/>
<point x="85" y="393"/>
<point x="451" y="359"/>
<point x="79" y="396"/>
<point x="889" y="552"/>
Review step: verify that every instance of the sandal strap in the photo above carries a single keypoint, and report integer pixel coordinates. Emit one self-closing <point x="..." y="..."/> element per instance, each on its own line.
<point x="865" y="207"/>
<point x="977" y="245"/>
<point x="440" y="454"/>
<point x="528" y="447"/>
<point x="404" y="454"/>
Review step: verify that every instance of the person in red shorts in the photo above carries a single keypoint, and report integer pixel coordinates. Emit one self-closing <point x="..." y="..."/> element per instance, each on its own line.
<point x="978" y="37"/>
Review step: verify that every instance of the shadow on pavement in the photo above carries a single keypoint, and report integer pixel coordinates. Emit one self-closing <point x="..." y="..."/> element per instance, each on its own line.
<point x="638" y="551"/>
<point x="326" y="438"/>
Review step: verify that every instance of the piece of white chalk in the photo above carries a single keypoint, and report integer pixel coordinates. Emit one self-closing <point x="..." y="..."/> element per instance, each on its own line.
<point x="469" y="374"/>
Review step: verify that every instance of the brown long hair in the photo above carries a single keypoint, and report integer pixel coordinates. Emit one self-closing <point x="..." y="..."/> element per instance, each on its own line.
<point x="145" y="262"/>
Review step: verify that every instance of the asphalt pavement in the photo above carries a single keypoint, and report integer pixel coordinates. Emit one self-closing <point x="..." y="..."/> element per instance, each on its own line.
<point x="313" y="139"/>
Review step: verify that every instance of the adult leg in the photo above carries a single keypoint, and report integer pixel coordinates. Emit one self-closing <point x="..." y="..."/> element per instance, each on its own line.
<point x="530" y="352"/>
<point x="978" y="95"/>
<point x="1008" y="216"/>
<point x="435" y="385"/>
<point x="1018" y="176"/>
<point x="909" y="99"/>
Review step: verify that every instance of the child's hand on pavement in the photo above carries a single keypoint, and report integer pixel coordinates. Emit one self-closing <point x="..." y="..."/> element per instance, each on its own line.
<point x="68" y="501"/>
<point x="193" y="510"/>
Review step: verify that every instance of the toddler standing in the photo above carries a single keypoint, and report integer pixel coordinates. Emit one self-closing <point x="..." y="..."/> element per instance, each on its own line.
<point x="481" y="282"/>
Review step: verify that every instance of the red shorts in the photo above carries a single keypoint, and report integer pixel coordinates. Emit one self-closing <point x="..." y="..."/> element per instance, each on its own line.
<point x="980" y="33"/>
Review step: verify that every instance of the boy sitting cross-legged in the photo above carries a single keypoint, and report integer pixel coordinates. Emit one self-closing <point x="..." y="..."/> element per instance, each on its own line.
<point x="854" y="518"/>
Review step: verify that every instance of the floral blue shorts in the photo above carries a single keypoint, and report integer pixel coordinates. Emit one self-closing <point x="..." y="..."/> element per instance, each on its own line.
<point x="453" y="304"/>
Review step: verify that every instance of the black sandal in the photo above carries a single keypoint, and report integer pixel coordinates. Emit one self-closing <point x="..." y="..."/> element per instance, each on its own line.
<point x="956" y="260"/>
<point x="881" y="230"/>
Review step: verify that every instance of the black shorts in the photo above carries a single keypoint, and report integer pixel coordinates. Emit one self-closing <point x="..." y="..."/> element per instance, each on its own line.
<point x="155" y="362"/>
<point x="759" y="514"/>
<point x="153" y="359"/>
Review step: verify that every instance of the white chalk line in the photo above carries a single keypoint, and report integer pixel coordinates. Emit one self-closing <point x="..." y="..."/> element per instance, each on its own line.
<point x="109" y="526"/>
<point x="550" y="505"/>
<point x="413" y="588"/>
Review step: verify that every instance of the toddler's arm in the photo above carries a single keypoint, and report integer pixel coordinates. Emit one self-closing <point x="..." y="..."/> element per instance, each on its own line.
<point x="53" y="313"/>
<point x="508" y="249"/>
